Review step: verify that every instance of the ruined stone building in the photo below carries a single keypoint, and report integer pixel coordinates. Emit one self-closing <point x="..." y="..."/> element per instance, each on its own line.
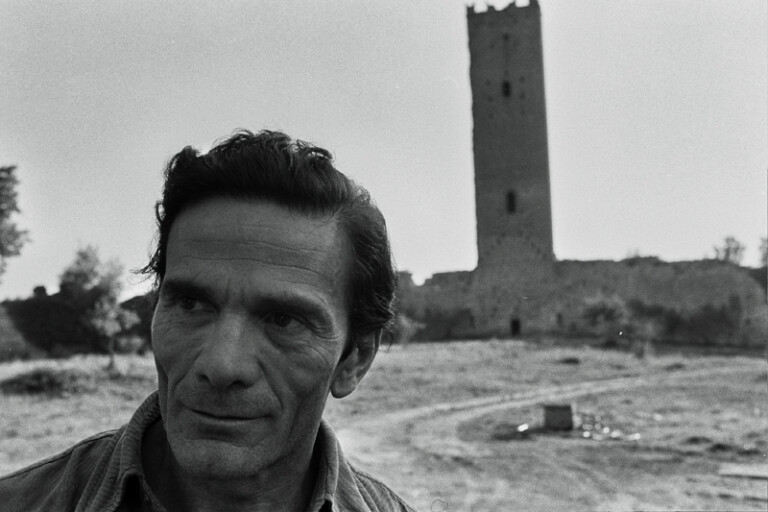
<point x="518" y="287"/>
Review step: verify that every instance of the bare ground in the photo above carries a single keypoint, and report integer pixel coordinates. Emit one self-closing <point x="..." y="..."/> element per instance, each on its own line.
<point x="425" y="421"/>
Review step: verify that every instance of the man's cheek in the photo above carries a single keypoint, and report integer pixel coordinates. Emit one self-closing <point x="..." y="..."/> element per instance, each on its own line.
<point x="167" y="338"/>
<point x="310" y="380"/>
<point x="163" y="362"/>
<point x="171" y="359"/>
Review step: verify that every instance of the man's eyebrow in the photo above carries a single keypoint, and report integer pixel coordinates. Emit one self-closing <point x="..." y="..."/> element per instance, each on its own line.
<point x="303" y="305"/>
<point x="175" y="286"/>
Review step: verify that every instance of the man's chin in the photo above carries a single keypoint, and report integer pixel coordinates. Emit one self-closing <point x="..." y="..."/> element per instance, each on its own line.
<point x="213" y="459"/>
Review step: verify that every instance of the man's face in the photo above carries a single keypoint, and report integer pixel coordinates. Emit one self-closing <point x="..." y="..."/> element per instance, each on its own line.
<point x="248" y="334"/>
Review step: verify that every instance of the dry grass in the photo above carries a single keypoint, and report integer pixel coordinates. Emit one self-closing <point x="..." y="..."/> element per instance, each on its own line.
<point x="686" y="429"/>
<point x="35" y="426"/>
<point x="426" y="373"/>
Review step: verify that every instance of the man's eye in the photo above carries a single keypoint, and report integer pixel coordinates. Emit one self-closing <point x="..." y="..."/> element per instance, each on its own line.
<point x="279" y="319"/>
<point x="188" y="303"/>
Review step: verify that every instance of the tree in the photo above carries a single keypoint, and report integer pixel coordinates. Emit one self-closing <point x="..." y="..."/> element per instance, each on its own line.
<point x="11" y="237"/>
<point x="607" y="315"/>
<point x="732" y="251"/>
<point x="92" y="289"/>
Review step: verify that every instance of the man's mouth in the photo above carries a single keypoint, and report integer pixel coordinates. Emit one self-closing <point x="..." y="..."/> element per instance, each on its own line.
<point x="223" y="415"/>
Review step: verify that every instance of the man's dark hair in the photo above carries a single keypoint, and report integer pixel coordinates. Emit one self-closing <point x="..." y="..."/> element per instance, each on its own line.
<point x="301" y="177"/>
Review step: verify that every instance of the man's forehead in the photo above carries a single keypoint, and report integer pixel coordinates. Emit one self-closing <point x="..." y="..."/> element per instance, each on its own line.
<point x="250" y="219"/>
<point x="258" y="232"/>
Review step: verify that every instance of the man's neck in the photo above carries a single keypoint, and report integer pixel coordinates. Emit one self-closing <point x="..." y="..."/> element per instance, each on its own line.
<point x="273" y="489"/>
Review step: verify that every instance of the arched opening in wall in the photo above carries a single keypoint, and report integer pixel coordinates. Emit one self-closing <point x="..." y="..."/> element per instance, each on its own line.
<point x="506" y="88"/>
<point x="514" y="327"/>
<point x="511" y="202"/>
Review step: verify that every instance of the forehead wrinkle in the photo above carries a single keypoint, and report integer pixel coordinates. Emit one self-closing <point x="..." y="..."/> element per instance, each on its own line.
<point x="208" y="243"/>
<point x="276" y="261"/>
<point x="246" y="226"/>
<point x="327" y="278"/>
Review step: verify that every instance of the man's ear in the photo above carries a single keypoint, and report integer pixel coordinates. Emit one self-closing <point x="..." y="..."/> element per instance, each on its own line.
<point x="354" y="364"/>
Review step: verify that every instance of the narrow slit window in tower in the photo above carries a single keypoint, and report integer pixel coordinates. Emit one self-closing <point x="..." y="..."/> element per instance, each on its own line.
<point x="511" y="202"/>
<point x="514" y="326"/>
<point x="506" y="89"/>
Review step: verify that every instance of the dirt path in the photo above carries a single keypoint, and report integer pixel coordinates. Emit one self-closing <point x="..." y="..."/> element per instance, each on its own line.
<point x="419" y="453"/>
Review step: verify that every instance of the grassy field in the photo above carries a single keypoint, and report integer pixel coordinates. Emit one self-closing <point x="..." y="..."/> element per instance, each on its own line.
<point x="427" y="419"/>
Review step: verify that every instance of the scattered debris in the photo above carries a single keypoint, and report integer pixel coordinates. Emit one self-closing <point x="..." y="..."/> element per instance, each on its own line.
<point x="744" y="451"/>
<point x="717" y="447"/>
<point x="758" y="471"/>
<point x="721" y="447"/>
<point x="438" y="506"/>
<point x="697" y="440"/>
<point x="570" y="360"/>
<point x="592" y="427"/>
<point x="463" y="460"/>
<point x="585" y="426"/>
<point x="674" y="367"/>
<point x="509" y="432"/>
<point x="747" y="451"/>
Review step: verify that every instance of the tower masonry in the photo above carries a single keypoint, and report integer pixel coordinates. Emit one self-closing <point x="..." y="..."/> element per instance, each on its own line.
<point x="512" y="194"/>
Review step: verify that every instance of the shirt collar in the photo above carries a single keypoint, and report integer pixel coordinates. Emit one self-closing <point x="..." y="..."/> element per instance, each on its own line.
<point x="337" y="482"/>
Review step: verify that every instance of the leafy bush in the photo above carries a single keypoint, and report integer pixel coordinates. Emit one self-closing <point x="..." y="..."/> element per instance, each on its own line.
<point x="48" y="381"/>
<point x="50" y="324"/>
<point x="706" y="325"/>
<point x="621" y="323"/>
<point x="606" y="315"/>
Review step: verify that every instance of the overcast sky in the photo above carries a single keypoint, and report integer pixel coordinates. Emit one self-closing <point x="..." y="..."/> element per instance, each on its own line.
<point x="657" y="113"/>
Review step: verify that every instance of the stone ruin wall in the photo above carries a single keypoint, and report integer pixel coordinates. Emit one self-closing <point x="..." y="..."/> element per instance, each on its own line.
<point x="481" y="307"/>
<point x="524" y="291"/>
<point x="684" y="287"/>
<point x="449" y="291"/>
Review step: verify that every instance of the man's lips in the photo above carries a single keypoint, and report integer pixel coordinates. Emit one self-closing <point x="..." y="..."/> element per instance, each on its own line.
<point x="225" y="415"/>
<point x="225" y="408"/>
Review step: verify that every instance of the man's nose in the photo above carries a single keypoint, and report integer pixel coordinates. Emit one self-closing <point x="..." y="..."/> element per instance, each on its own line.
<point x="229" y="358"/>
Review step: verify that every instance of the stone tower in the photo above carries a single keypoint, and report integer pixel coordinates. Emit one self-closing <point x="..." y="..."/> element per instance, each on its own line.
<point x="512" y="194"/>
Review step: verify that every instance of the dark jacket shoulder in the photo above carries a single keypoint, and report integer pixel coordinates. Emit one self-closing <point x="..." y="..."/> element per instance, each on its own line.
<point x="58" y="482"/>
